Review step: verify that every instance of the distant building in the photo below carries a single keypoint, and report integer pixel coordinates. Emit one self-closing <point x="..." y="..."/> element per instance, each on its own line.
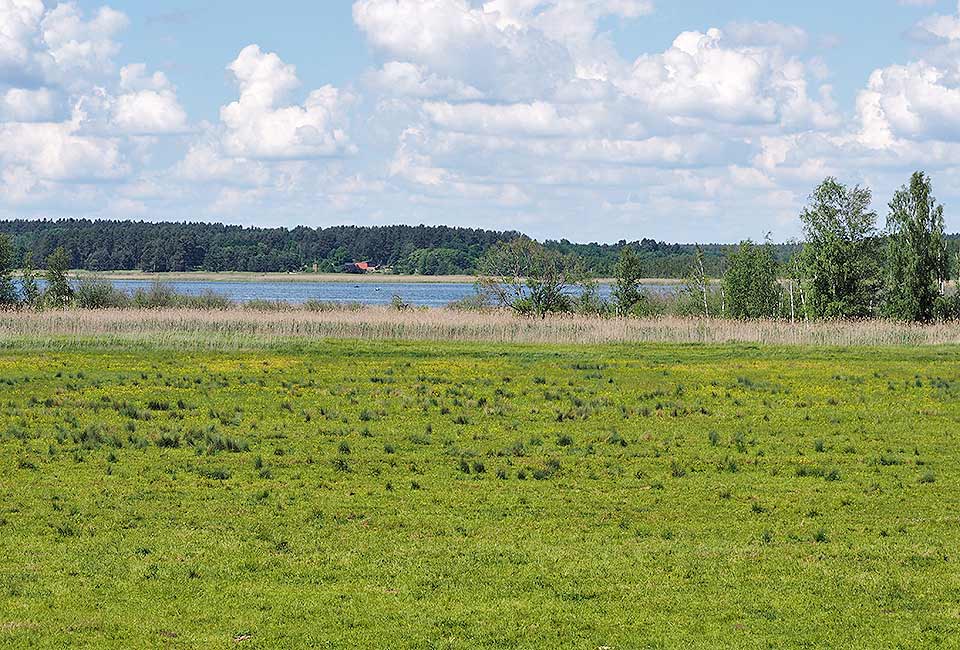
<point x="357" y="267"/>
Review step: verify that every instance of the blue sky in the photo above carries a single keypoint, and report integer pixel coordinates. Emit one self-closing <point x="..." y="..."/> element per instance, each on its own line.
<point x="599" y="120"/>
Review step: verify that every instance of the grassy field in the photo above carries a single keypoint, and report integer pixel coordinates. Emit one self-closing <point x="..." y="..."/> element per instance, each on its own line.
<point x="349" y="494"/>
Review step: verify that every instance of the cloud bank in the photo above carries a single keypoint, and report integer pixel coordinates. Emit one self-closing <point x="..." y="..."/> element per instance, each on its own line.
<point x="507" y="113"/>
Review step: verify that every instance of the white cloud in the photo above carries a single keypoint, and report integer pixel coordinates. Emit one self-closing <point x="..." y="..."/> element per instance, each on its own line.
<point x="411" y="80"/>
<point x="532" y="119"/>
<point x="257" y="128"/>
<point x="69" y="123"/>
<point x="77" y="45"/>
<point x="148" y="105"/>
<point x="58" y="152"/>
<point x="19" y="23"/>
<point x="29" y="105"/>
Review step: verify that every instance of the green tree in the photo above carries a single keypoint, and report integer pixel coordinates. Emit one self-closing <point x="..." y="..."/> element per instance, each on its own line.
<point x="917" y="256"/>
<point x="59" y="292"/>
<point x="28" y="281"/>
<point x="528" y="278"/>
<point x="698" y="283"/>
<point x="840" y="257"/>
<point x="8" y="292"/>
<point x="751" y="282"/>
<point x="628" y="294"/>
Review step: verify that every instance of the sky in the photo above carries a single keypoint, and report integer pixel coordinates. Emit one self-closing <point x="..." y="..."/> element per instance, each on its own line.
<point x="591" y="120"/>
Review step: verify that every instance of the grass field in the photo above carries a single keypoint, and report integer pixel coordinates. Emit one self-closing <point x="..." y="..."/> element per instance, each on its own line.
<point x="349" y="494"/>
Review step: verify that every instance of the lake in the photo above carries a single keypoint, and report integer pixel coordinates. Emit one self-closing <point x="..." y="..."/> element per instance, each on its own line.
<point x="424" y="294"/>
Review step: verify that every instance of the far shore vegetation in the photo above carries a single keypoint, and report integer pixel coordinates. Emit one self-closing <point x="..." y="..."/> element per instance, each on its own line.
<point x="846" y="268"/>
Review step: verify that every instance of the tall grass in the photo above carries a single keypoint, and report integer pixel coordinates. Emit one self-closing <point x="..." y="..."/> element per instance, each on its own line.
<point x="238" y="327"/>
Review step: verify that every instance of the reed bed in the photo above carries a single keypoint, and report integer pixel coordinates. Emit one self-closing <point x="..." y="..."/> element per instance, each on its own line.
<point x="238" y="328"/>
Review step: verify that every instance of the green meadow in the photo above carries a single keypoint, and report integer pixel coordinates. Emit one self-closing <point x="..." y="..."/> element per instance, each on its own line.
<point x="459" y="495"/>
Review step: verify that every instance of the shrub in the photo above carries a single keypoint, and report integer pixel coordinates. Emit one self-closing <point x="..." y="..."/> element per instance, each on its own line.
<point x="216" y="442"/>
<point x="216" y="473"/>
<point x="94" y="293"/>
<point x="474" y="302"/>
<point x="616" y="439"/>
<point x="169" y="440"/>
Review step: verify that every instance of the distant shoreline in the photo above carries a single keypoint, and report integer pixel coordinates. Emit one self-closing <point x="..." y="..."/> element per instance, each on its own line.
<point x="346" y="278"/>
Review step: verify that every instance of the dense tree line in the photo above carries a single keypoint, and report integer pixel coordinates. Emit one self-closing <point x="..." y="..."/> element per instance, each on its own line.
<point x="159" y="247"/>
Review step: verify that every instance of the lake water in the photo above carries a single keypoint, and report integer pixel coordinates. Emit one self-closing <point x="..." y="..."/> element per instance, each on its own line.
<point x="425" y="294"/>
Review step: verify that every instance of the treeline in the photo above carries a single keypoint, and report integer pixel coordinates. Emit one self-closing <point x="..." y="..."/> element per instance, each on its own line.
<point x="846" y="268"/>
<point x="415" y="250"/>
<point x="161" y="247"/>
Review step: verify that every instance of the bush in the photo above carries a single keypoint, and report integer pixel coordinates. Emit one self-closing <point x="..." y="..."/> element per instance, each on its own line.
<point x="474" y="302"/>
<point x="161" y="295"/>
<point x="158" y="295"/>
<point x="95" y="293"/>
<point x="206" y="300"/>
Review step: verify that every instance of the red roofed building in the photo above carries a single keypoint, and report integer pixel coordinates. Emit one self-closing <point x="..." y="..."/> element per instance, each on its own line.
<point x="357" y="267"/>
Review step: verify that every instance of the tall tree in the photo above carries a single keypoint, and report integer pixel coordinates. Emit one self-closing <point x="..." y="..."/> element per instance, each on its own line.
<point x="698" y="283"/>
<point x="917" y="256"/>
<point x="840" y="256"/>
<point x="751" y="282"/>
<point x="8" y="292"/>
<point x="59" y="292"/>
<point x="628" y="292"/>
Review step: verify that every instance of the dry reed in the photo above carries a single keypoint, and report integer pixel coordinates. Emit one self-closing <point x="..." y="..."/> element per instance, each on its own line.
<point x="243" y="328"/>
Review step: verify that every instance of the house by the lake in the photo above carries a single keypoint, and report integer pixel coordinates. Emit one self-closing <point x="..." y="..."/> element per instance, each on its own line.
<point x="357" y="267"/>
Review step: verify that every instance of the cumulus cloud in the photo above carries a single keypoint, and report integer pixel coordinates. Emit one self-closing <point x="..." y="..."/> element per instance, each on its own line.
<point x="256" y="127"/>
<point x="28" y="105"/>
<point x="917" y="101"/>
<point x="59" y="152"/>
<point x="701" y="76"/>
<point x="560" y="112"/>
<point x="79" y="45"/>
<point x="69" y="121"/>
<point x="406" y="79"/>
<point x="148" y="105"/>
